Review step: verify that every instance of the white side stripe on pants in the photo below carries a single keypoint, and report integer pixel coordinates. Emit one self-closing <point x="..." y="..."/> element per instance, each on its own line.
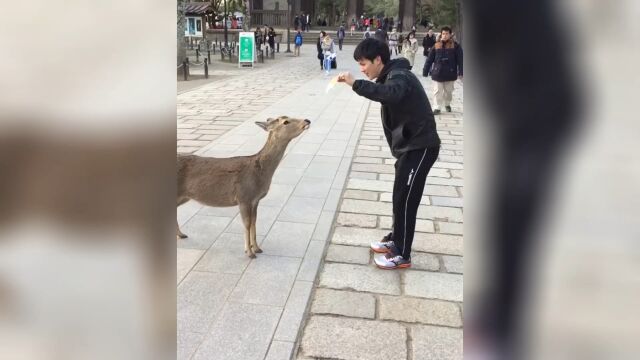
<point x="404" y="243"/>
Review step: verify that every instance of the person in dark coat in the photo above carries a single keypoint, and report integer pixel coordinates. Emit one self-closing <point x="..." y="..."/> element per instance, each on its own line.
<point x="446" y="58"/>
<point x="271" y="39"/>
<point x="428" y="42"/>
<point x="319" y="46"/>
<point x="410" y="130"/>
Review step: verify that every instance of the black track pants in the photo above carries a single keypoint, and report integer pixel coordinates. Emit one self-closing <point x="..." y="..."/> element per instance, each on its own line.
<point x="412" y="169"/>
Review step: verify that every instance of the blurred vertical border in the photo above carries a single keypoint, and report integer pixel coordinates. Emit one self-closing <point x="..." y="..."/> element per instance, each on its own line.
<point x="87" y="180"/>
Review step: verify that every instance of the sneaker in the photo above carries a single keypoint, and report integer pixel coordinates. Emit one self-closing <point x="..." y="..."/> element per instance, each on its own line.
<point x="390" y="261"/>
<point x="448" y="108"/>
<point x="436" y="111"/>
<point x="383" y="246"/>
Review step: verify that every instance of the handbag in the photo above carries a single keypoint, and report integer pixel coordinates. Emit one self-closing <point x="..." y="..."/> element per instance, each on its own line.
<point x="334" y="63"/>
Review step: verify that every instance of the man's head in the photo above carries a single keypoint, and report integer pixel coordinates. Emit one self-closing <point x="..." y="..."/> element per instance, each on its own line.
<point x="430" y="32"/>
<point x="445" y="33"/>
<point x="322" y="34"/>
<point x="372" y="55"/>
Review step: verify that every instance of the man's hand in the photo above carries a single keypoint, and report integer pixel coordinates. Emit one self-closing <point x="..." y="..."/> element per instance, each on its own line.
<point x="346" y="78"/>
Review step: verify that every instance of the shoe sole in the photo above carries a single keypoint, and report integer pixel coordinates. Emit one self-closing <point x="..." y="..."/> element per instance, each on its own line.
<point x="402" y="266"/>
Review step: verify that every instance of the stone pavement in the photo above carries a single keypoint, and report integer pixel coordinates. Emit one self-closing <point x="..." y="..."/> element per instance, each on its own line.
<point x="328" y="199"/>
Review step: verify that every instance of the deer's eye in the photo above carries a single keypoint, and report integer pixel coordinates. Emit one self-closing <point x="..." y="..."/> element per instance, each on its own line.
<point x="286" y="122"/>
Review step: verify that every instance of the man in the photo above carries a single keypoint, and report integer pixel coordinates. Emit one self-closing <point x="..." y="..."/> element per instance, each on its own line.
<point x="381" y="35"/>
<point x="303" y="21"/>
<point x="427" y="43"/>
<point x="446" y="58"/>
<point x="341" y="35"/>
<point x="410" y="130"/>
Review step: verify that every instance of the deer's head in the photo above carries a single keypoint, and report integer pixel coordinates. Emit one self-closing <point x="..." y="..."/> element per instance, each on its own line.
<point x="284" y="128"/>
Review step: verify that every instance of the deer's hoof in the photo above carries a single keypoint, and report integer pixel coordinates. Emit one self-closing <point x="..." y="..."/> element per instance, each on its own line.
<point x="252" y="255"/>
<point x="258" y="250"/>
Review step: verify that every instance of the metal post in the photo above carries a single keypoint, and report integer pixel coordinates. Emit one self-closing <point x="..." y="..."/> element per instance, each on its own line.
<point x="185" y="68"/>
<point x="288" y="26"/>
<point x="206" y="69"/>
<point x="209" y="55"/>
<point x="198" y="55"/>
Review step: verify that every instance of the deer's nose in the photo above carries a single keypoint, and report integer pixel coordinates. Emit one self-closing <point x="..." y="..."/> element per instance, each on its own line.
<point x="307" y="121"/>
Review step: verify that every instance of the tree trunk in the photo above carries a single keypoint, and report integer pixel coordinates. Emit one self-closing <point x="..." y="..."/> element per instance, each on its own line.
<point x="181" y="50"/>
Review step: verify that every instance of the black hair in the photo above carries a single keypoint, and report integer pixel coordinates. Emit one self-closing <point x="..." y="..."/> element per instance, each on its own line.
<point x="446" y="28"/>
<point x="371" y="48"/>
<point x="323" y="33"/>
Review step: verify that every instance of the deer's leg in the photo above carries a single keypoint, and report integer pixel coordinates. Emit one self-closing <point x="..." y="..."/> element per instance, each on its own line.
<point x="179" y="233"/>
<point x="245" y="213"/>
<point x="254" y="240"/>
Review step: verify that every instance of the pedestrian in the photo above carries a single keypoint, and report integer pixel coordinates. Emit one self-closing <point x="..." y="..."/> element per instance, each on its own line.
<point x="353" y="26"/>
<point x="328" y="52"/>
<point x="393" y="42"/>
<point x="446" y="58"/>
<point x="296" y="22"/>
<point x="410" y="131"/>
<point x="298" y="43"/>
<point x="303" y="21"/>
<point x="341" y="35"/>
<point x="308" y="22"/>
<point x="400" y="42"/>
<point x="410" y="48"/>
<point x="427" y="43"/>
<point x="366" y="35"/>
<point x="381" y="35"/>
<point x="271" y="39"/>
<point x="319" y="48"/>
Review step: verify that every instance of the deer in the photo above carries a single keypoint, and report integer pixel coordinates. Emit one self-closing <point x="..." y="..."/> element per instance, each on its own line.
<point x="240" y="180"/>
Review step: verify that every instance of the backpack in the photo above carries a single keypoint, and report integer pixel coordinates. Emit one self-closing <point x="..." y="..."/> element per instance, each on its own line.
<point x="298" y="40"/>
<point x="367" y="35"/>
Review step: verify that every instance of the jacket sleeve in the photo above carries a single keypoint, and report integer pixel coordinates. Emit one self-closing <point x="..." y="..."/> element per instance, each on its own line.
<point x="459" y="59"/>
<point x="391" y="92"/>
<point x="430" y="60"/>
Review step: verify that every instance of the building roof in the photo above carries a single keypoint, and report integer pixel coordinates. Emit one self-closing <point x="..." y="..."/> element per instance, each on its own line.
<point x="197" y="8"/>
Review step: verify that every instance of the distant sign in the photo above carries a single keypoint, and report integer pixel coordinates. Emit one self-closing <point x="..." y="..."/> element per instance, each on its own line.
<point x="246" y="48"/>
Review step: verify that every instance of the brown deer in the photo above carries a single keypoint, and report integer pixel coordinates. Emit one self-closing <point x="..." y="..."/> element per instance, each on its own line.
<point x="241" y="180"/>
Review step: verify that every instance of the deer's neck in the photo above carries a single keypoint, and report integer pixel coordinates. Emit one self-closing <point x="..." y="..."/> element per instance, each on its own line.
<point x="271" y="154"/>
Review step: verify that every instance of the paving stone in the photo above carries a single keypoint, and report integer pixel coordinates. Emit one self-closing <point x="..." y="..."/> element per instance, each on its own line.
<point x="185" y="259"/>
<point x="432" y="285"/>
<point x="453" y="264"/>
<point x="366" y="207"/>
<point x="294" y="311"/>
<point x="346" y="303"/>
<point x="450" y="228"/>
<point x="302" y="210"/>
<point x="421" y="224"/>
<point x="345" y="338"/>
<point x="278" y="195"/>
<point x="226" y="255"/>
<point x="312" y="187"/>
<point x="288" y="239"/>
<point x="242" y="332"/>
<point x="447" y="201"/>
<point x="202" y="231"/>
<point x="267" y="281"/>
<point x="457" y="173"/>
<point x="266" y="218"/>
<point x="441" y="213"/>
<point x="280" y="350"/>
<point x="357" y="236"/>
<point x="436" y="343"/>
<point x="357" y="220"/>
<point x="424" y="261"/>
<point x="438" y="243"/>
<point x="360" y="278"/>
<point x="348" y="254"/>
<point x="200" y="298"/>
<point x="423" y="311"/>
<point x="367" y="160"/>
<point x="311" y="261"/>
<point x="363" y="175"/>
<point x="187" y="343"/>
<point x="361" y="195"/>
<point x="323" y="226"/>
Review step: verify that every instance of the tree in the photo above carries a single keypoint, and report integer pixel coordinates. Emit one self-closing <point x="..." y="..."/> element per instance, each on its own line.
<point x="182" y="51"/>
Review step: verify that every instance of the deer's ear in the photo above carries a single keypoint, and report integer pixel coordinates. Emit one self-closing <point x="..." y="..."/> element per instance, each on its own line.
<point x="262" y="124"/>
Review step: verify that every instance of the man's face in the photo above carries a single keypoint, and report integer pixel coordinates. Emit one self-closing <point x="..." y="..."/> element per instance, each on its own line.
<point x="371" y="69"/>
<point x="430" y="32"/>
<point x="445" y="35"/>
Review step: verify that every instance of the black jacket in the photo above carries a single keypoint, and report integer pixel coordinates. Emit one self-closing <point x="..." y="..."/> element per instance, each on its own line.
<point x="407" y="118"/>
<point x="447" y="61"/>
<point x="427" y="43"/>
